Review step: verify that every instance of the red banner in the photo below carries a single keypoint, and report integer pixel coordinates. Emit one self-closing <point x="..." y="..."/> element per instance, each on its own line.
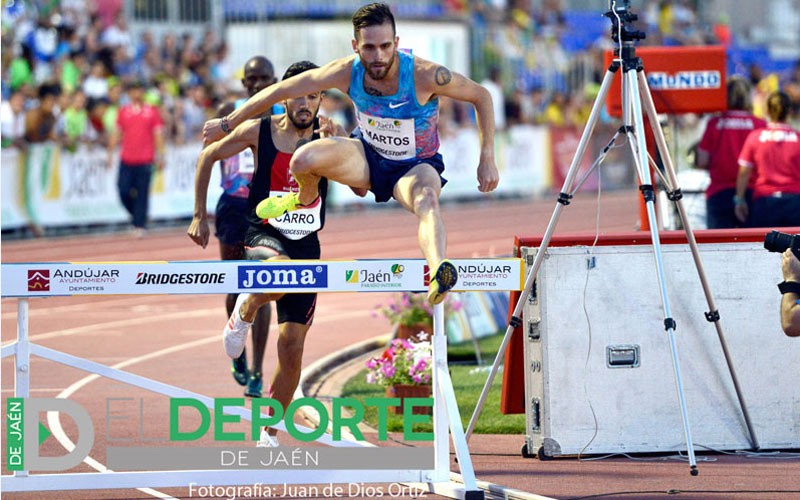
<point x="563" y="144"/>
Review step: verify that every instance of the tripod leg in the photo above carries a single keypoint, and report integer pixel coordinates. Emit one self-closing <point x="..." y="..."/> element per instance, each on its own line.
<point x="563" y="200"/>
<point x="632" y="111"/>
<point x="675" y="195"/>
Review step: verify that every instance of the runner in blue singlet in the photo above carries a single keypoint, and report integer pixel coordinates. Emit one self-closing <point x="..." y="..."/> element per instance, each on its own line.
<point x="231" y="224"/>
<point x="393" y="151"/>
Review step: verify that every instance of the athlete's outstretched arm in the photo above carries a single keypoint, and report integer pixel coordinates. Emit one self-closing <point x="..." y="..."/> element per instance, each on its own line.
<point x="441" y="81"/>
<point x="241" y="138"/>
<point x="335" y="74"/>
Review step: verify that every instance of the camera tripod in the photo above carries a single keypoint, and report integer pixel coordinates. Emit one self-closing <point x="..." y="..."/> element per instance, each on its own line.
<point x="635" y="96"/>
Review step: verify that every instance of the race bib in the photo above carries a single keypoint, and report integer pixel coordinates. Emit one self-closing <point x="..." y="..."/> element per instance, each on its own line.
<point x="299" y="223"/>
<point x="392" y="138"/>
<point x="247" y="162"/>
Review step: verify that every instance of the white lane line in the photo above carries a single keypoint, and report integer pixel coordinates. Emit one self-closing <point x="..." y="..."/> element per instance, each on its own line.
<point x="54" y="423"/>
<point x="44" y="389"/>
<point x="109" y="325"/>
<point x="81" y="307"/>
<point x="151" y="318"/>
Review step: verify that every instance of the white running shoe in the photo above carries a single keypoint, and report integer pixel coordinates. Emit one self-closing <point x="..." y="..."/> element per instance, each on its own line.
<point x="267" y="441"/>
<point x="234" y="335"/>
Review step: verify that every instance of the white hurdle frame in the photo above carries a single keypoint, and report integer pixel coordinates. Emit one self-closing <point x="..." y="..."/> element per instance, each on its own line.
<point x="446" y="416"/>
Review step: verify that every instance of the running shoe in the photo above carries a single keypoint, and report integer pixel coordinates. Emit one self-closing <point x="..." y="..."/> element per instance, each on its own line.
<point x="254" y="386"/>
<point x="267" y="441"/>
<point x="239" y="369"/>
<point x="275" y="206"/>
<point x="442" y="282"/>
<point x="234" y="335"/>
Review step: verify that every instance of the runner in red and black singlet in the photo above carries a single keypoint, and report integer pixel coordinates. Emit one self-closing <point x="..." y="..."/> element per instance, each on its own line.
<point x="293" y="236"/>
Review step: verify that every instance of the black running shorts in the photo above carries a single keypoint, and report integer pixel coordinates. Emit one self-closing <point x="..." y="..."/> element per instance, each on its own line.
<point x="262" y="243"/>
<point x="231" y="219"/>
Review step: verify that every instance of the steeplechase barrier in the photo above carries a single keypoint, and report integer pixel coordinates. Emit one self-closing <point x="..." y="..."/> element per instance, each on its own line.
<point x="31" y="280"/>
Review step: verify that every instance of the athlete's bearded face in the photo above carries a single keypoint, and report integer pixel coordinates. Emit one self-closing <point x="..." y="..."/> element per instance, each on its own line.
<point x="303" y="110"/>
<point x="376" y="46"/>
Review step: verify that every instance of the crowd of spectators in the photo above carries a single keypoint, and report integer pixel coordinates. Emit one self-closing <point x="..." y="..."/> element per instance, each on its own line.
<point x="550" y="62"/>
<point x="67" y="68"/>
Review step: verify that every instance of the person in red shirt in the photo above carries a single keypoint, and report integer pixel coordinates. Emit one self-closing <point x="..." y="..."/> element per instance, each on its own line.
<point x="718" y="152"/>
<point x="139" y="128"/>
<point x="772" y="154"/>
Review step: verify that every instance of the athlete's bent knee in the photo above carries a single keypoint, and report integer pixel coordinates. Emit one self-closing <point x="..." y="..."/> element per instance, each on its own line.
<point x="303" y="161"/>
<point x="426" y="199"/>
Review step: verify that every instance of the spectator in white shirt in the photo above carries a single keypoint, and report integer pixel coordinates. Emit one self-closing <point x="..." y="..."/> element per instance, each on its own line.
<point x="12" y="121"/>
<point x="118" y="35"/>
<point x="96" y="84"/>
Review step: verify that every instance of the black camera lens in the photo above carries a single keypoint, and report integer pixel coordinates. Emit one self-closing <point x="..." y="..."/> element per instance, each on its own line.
<point x="777" y="241"/>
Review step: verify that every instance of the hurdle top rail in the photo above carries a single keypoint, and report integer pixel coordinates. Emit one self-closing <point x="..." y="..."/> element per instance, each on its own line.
<point x="218" y="277"/>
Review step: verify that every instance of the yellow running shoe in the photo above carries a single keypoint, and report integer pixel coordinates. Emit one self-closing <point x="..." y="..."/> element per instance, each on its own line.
<point x="275" y="206"/>
<point x="442" y="282"/>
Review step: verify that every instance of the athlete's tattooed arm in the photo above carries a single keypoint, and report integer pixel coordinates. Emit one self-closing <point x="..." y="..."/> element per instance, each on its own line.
<point x="440" y="81"/>
<point x="443" y="76"/>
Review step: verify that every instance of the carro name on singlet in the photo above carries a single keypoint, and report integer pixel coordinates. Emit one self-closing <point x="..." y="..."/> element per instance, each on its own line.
<point x="297" y="218"/>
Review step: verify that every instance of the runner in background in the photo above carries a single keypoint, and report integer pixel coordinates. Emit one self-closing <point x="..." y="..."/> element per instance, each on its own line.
<point x="231" y="224"/>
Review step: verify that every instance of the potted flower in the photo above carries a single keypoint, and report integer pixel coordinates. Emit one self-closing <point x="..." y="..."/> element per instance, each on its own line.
<point x="405" y="370"/>
<point x="410" y="313"/>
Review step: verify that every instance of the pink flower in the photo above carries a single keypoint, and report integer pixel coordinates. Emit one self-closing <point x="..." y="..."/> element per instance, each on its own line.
<point x="388" y="370"/>
<point x="404" y="362"/>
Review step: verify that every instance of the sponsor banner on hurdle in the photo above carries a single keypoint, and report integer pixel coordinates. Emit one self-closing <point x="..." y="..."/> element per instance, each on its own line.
<point x="216" y="277"/>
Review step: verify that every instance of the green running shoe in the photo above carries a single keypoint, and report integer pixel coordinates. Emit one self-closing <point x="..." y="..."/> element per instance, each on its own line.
<point x="239" y="369"/>
<point x="442" y="282"/>
<point x="275" y="206"/>
<point x="254" y="386"/>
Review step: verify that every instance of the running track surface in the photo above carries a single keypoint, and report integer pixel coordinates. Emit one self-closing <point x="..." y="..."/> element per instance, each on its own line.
<point x="175" y="339"/>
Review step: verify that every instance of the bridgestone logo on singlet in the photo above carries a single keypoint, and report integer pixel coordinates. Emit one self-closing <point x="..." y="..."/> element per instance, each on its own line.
<point x="179" y="278"/>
